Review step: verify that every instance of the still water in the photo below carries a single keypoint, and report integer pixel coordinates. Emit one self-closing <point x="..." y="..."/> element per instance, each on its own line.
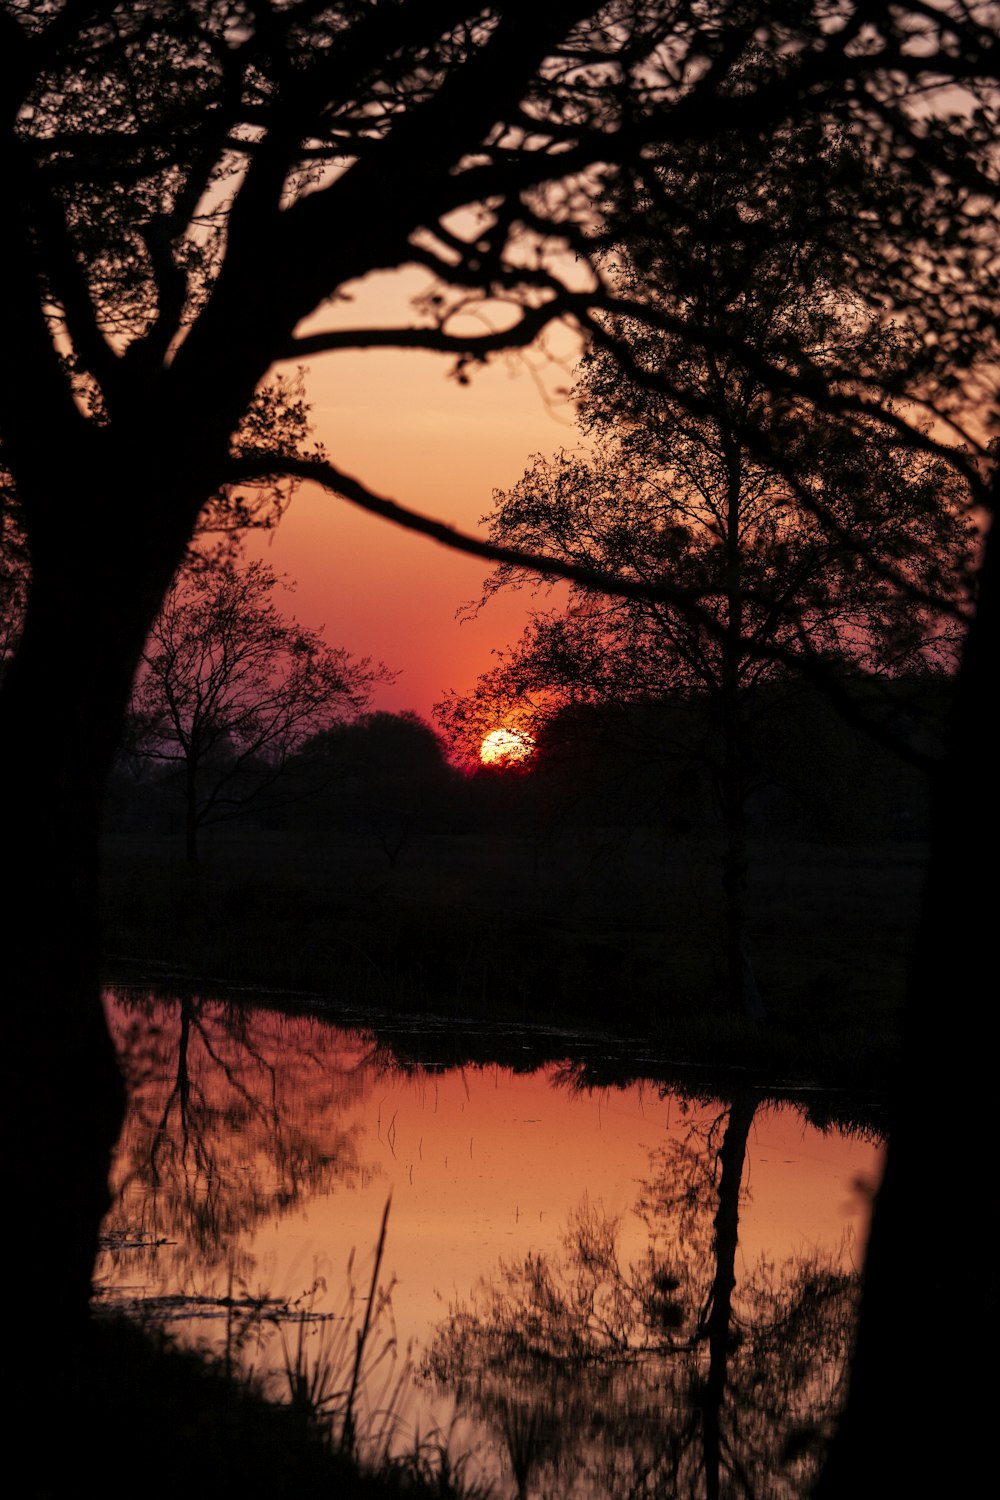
<point x="582" y="1290"/>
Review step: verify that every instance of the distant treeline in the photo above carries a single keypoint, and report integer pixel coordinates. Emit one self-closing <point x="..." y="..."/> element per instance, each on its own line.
<point x="386" y="777"/>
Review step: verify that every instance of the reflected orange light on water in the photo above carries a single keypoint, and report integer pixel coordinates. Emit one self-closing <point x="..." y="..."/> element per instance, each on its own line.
<point x="255" y="1164"/>
<point x="483" y="1164"/>
<point x="288" y="1135"/>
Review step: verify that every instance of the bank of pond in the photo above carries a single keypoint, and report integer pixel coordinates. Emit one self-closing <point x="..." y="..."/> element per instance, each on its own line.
<point x="609" y="931"/>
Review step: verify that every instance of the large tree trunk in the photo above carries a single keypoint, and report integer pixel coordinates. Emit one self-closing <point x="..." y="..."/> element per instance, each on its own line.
<point x="61" y="711"/>
<point x="918" y="1392"/>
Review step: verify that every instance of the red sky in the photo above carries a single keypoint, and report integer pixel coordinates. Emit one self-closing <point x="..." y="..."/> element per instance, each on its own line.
<point x="397" y="422"/>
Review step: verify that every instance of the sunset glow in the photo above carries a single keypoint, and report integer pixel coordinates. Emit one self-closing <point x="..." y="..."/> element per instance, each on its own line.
<point x="380" y="590"/>
<point x="505" y="747"/>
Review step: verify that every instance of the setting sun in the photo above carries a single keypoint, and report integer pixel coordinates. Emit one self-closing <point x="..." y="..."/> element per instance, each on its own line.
<point x="506" y="747"/>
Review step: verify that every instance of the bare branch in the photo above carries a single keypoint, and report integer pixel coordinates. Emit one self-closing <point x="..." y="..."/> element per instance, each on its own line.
<point x="323" y="473"/>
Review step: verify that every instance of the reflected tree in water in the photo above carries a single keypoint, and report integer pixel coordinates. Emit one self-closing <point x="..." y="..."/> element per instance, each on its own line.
<point x="217" y="1141"/>
<point x="671" y="1374"/>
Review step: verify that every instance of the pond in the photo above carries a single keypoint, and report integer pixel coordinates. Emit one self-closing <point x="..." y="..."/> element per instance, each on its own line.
<point x="580" y="1289"/>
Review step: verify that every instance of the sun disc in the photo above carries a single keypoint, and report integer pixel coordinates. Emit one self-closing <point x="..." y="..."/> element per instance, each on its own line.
<point x="505" y="747"/>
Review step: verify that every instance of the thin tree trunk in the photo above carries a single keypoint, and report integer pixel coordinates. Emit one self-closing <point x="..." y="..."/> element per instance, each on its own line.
<point x="732" y="1157"/>
<point x="191" y="810"/>
<point x="741" y="985"/>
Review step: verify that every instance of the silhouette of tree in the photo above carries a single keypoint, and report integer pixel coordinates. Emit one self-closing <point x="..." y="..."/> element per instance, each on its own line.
<point x="187" y="182"/>
<point x="276" y="421"/>
<point x="801" y="542"/>
<point x="383" y="776"/>
<point x="229" y="689"/>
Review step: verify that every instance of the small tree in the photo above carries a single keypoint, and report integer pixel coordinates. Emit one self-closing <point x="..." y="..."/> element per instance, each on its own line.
<point x="770" y="592"/>
<point x="229" y="689"/>
<point x="794" y="540"/>
<point x="385" y="777"/>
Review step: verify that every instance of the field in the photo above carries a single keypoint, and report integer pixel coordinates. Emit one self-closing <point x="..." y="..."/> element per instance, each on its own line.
<point x="596" y="930"/>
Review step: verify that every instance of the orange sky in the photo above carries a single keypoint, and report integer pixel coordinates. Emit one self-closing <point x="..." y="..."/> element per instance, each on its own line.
<point x="398" y="423"/>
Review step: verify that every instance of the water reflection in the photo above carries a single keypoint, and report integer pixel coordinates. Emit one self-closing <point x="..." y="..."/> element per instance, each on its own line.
<point x="669" y="1374"/>
<point x="665" y="1290"/>
<point x="217" y="1141"/>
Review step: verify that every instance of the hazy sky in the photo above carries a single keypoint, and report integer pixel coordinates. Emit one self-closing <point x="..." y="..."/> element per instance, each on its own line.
<point x="397" y="422"/>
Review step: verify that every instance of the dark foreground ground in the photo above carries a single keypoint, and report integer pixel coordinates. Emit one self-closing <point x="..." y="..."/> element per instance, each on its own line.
<point x="185" y="1427"/>
<point x="598" y="930"/>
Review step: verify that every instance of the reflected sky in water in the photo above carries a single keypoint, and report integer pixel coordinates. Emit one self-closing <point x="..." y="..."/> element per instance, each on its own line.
<point x="260" y="1150"/>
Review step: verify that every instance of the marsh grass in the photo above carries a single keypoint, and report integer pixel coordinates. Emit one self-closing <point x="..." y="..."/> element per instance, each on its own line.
<point x="170" y="1421"/>
<point x="327" y="1416"/>
<point x="345" y="1377"/>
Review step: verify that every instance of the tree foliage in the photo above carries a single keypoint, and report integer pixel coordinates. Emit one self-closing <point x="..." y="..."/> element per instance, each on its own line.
<point x="175" y="165"/>
<point x="381" y="776"/>
<point x="230" y="689"/>
<point x="811" y="596"/>
<point x="791" y="538"/>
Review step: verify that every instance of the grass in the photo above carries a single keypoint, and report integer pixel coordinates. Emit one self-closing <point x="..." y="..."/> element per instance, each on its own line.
<point x="139" y="1410"/>
<point x="141" y="1413"/>
<point x="146" y="1413"/>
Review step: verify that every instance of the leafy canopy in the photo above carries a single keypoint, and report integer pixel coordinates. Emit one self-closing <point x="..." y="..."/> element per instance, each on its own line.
<point x="792" y="537"/>
<point x="191" y="181"/>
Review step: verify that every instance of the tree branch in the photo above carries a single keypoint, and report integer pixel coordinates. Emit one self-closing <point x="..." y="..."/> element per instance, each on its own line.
<point x="322" y="472"/>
